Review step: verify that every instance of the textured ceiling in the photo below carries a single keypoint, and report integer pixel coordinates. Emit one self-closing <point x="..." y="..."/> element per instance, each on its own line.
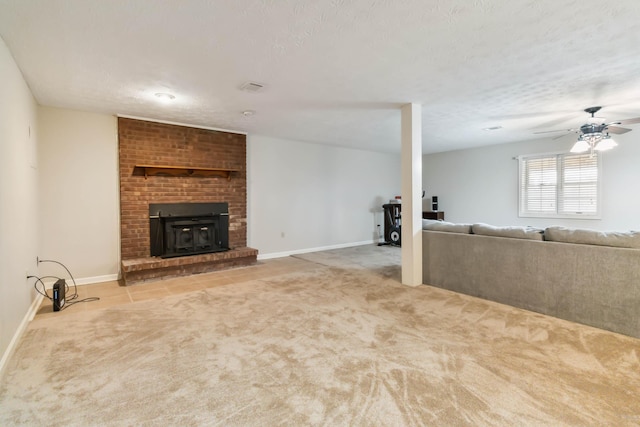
<point x="336" y="71"/>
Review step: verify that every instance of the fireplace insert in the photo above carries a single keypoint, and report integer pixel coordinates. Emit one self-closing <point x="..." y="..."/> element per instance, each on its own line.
<point x="178" y="229"/>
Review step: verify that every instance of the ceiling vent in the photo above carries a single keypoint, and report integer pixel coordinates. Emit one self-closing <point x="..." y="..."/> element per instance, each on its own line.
<point x="252" y="87"/>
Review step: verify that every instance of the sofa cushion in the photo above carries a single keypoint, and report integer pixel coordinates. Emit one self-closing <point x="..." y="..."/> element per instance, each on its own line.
<point x="629" y="239"/>
<point x="434" y="225"/>
<point x="514" y="232"/>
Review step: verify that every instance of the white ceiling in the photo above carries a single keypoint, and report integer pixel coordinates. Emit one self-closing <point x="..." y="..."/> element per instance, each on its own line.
<point x="336" y="71"/>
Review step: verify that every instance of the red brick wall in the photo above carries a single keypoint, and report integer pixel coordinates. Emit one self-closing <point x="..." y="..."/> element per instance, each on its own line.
<point x="149" y="143"/>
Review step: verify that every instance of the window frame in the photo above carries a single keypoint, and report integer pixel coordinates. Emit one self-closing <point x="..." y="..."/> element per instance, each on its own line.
<point x="560" y="172"/>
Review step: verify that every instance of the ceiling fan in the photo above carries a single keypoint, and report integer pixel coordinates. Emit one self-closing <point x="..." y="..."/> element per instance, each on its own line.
<point x="594" y="136"/>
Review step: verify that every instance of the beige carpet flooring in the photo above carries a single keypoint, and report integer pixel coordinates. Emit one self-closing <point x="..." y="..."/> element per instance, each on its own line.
<point x="337" y="344"/>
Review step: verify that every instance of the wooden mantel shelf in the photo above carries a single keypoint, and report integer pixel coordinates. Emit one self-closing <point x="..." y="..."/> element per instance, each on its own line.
<point x="157" y="170"/>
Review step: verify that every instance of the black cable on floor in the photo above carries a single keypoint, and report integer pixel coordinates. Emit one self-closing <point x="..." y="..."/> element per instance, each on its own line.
<point x="75" y="287"/>
<point x="70" y="300"/>
<point x="44" y="288"/>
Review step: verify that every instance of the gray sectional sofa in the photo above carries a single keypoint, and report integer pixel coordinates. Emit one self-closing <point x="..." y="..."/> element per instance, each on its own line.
<point x="584" y="276"/>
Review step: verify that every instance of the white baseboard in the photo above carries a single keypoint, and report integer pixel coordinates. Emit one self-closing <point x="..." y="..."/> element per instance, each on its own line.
<point x="317" y="249"/>
<point x="97" y="279"/>
<point x="48" y="283"/>
<point x="28" y="317"/>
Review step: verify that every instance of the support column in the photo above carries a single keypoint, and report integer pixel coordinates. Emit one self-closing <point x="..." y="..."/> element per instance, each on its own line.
<point x="411" y="170"/>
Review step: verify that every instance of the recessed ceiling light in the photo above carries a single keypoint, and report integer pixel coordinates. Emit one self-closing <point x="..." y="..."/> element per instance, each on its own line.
<point x="248" y="113"/>
<point x="165" y="97"/>
<point x="493" y="128"/>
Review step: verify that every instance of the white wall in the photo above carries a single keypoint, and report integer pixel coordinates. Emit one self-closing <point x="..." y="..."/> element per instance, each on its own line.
<point x="317" y="196"/>
<point x="303" y="196"/>
<point x="481" y="185"/>
<point x="18" y="198"/>
<point x="79" y="194"/>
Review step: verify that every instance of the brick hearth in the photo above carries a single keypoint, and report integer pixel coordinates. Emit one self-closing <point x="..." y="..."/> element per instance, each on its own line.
<point x="152" y="268"/>
<point x="158" y="144"/>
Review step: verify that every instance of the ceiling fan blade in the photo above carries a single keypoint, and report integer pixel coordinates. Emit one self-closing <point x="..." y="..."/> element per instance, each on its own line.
<point x="557" y="130"/>
<point x="617" y="130"/>
<point x="628" y="121"/>
<point x="560" y="136"/>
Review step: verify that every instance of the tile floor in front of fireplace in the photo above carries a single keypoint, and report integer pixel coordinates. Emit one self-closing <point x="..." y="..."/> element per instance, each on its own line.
<point x="112" y="293"/>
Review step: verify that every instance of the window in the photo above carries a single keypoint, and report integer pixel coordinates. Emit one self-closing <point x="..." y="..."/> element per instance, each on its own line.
<point x="560" y="186"/>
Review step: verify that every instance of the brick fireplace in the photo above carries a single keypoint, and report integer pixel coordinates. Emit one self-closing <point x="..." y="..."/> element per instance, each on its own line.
<point x="166" y="165"/>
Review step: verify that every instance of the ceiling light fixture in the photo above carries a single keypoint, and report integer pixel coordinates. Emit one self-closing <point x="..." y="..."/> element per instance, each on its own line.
<point x="593" y="137"/>
<point x="248" y="113"/>
<point x="165" y="97"/>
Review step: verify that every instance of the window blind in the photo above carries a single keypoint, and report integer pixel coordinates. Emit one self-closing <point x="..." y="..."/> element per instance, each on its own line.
<point x="559" y="185"/>
<point x="579" y="185"/>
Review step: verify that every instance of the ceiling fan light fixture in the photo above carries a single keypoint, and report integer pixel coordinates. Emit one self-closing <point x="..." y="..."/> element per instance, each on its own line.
<point x="606" y="144"/>
<point x="593" y="141"/>
<point x="594" y="135"/>
<point x="581" y="146"/>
